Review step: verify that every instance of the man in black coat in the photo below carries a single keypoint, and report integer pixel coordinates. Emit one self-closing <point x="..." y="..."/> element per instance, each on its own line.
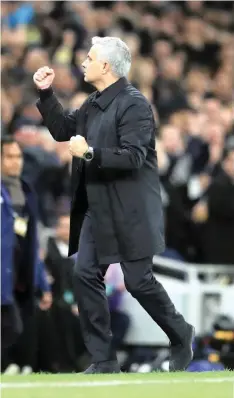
<point x="116" y="210"/>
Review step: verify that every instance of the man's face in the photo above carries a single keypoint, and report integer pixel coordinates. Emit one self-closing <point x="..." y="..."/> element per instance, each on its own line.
<point x="63" y="227"/>
<point x="12" y="160"/>
<point x="93" y="68"/>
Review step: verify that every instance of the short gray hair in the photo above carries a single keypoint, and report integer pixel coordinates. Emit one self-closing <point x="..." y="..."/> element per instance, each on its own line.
<point x="115" y="52"/>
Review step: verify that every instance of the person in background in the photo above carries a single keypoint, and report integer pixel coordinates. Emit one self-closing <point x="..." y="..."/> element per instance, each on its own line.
<point x="59" y="266"/>
<point x="61" y="345"/>
<point x="22" y="272"/>
<point x="217" y="213"/>
<point x="115" y="290"/>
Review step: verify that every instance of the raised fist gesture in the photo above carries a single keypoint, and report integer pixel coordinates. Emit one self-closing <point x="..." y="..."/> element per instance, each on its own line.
<point x="43" y="78"/>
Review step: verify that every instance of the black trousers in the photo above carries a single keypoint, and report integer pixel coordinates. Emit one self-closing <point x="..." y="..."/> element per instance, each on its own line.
<point x="93" y="305"/>
<point x="119" y="325"/>
<point x="19" y="333"/>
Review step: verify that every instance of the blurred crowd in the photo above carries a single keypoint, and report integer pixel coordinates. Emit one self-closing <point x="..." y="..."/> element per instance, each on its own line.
<point x="182" y="61"/>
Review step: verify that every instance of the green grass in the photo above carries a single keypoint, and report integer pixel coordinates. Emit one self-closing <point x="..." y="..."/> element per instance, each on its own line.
<point x="156" y="385"/>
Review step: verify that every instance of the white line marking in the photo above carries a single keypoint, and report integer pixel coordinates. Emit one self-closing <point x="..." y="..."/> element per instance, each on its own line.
<point x="111" y="383"/>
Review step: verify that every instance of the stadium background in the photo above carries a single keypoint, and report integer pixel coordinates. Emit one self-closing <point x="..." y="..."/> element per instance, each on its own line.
<point x="183" y="57"/>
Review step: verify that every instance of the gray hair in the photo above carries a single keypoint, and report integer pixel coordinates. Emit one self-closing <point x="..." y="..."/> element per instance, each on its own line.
<point x="115" y="52"/>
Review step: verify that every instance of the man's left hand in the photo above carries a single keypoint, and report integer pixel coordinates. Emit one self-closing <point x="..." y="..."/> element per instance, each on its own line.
<point x="78" y="146"/>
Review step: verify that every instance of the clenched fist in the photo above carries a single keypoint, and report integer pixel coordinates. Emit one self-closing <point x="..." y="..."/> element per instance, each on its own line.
<point x="78" y="146"/>
<point x="43" y="78"/>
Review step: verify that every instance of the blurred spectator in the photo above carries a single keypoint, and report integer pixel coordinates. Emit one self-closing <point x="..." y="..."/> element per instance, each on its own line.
<point x="217" y="212"/>
<point x="58" y="264"/>
<point x="59" y="334"/>
<point x="22" y="272"/>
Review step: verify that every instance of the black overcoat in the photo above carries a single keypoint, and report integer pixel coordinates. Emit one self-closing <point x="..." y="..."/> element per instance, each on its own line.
<point x="120" y="186"/>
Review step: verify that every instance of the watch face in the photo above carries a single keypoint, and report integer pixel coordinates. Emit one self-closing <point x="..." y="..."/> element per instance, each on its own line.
<point x="89" y="156"/>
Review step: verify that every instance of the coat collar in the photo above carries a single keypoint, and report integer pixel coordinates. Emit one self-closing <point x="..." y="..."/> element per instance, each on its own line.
<point x="107" y="95"/>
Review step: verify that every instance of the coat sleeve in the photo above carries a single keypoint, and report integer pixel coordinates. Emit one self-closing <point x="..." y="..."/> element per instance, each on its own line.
<point x="61" y="126"/>
<point x="41" y="280"/>
<point x="135" y="130"/>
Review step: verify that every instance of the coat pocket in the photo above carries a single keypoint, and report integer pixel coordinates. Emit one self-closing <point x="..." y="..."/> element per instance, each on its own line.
<point x="125" y="203"/>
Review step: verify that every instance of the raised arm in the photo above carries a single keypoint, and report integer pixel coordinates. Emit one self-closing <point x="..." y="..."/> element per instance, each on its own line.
<point x="62" y="127"/>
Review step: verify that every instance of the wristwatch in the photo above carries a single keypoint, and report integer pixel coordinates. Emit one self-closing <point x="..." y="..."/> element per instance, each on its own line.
<point x="88" y="155"/>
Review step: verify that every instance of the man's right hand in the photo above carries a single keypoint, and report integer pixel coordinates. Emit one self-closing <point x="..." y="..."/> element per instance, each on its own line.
<point x="43" y="78"/>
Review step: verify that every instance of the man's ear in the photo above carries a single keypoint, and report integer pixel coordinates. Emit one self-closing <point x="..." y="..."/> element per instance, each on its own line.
<point x="106" y="68"/>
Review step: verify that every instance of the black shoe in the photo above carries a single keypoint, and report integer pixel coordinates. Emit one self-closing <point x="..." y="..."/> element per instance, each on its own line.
<point x="182" y="354"/>
<point x="108" y="367"/>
